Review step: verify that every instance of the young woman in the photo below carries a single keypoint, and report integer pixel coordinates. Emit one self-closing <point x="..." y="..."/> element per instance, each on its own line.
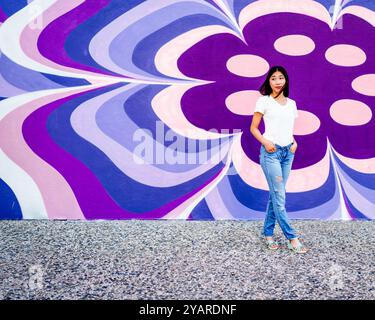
<point x="277" y="152"/>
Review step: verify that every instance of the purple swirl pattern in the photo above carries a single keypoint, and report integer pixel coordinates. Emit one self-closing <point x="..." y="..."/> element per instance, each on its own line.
<point x="84" y="84"/>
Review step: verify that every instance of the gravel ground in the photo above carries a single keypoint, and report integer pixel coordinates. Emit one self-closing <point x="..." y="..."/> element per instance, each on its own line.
<point x="138" y="259"/>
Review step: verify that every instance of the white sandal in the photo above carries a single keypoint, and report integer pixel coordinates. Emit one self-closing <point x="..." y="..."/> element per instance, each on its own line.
<point x="272" y="244"/>
<point x="300" y="248"/>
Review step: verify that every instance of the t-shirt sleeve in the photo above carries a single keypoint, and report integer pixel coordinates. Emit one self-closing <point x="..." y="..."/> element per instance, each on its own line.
<point x="295" y="111"/>
<point x="260" y="106"/>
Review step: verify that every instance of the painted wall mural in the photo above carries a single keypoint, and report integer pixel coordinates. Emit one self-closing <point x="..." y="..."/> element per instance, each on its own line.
<point x="142" y="109"/>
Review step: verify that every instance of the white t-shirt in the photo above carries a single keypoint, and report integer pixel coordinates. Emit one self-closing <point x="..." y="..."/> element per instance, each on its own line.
<point x="278" y="119"/>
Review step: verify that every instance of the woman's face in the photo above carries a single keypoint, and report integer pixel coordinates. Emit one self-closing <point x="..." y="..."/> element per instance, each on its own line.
<point x="277" y="81"/>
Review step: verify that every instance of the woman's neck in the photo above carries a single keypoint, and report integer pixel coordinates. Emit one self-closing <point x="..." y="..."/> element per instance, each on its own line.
<point x="281" y="95"/>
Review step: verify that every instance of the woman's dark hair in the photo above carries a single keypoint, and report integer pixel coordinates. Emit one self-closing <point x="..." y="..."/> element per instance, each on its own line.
<point x="266" y="89"/>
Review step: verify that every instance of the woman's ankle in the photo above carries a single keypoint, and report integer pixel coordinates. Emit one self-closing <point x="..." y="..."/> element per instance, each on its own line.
<point x="294" y="241"/>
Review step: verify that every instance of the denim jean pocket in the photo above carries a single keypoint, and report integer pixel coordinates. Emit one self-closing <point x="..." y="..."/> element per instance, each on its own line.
<point x="270" y="154"/>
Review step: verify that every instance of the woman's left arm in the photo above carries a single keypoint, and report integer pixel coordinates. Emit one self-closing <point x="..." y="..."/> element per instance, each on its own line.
<point x="294" y="145"/>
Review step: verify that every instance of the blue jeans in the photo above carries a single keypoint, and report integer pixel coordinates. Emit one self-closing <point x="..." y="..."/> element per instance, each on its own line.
<point x="276" y="167"/>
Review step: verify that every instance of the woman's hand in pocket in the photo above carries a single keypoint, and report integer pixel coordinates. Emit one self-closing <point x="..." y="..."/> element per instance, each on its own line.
<point x="269" y="146"/>
<point x="293" y="148"/>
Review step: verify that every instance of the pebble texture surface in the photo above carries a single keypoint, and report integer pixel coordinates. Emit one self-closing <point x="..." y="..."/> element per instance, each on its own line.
<point x="163" y="259"/>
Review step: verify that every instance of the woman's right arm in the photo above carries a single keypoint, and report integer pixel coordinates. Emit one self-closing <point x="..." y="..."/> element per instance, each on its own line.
<point x="257" y="117"/>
